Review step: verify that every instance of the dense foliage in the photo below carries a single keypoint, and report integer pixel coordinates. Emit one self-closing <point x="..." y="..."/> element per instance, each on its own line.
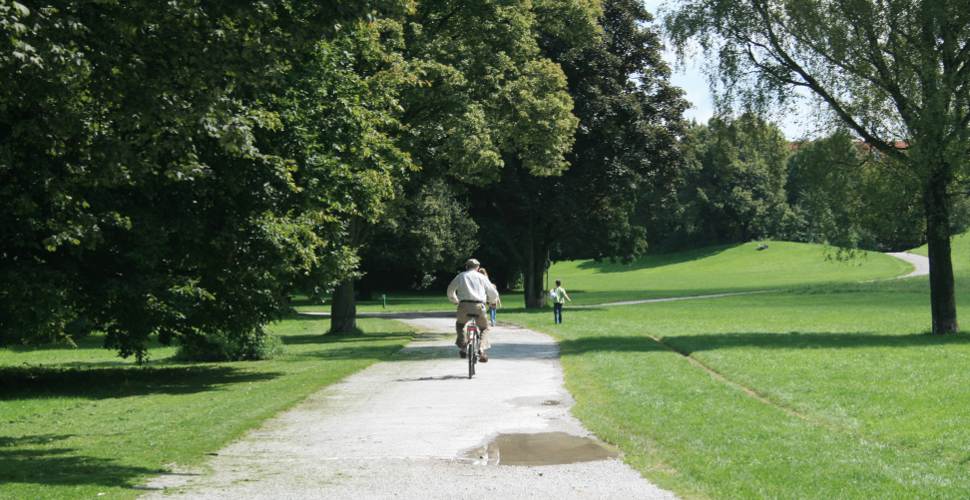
<point x="841" y="192"/>
<point x="164" y="173"/>
<point x="175" y="171"/>
<point x="627" y="142"/>
<point x="894" y="72"/>
<point x="488" y="101"/>
<point x="732" y="186"/>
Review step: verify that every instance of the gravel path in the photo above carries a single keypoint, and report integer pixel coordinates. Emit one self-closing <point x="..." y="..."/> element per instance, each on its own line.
<point x="921" y="264"/>
<point x="413" y="429"/>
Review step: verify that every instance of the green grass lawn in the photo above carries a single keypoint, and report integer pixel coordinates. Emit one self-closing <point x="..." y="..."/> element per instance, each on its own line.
<point x="399" y="301"/>
<point x="847" y="398"/>
<point x="76" y="423"/>
<point x="731" y="268"/>
<point x="827" y="390"/>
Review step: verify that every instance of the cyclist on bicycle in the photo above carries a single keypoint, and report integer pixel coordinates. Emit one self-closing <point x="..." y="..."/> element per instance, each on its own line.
<point x="470" y="291"/>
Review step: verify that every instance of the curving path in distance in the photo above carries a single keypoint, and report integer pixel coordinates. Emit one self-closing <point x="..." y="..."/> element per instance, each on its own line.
<point x="921" y="264"/>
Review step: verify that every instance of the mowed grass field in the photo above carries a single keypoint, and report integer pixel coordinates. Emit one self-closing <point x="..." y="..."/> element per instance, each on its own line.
<point x="82" y="423"/>
<point x="730" y="268"/>
<point x="817" y="391"/>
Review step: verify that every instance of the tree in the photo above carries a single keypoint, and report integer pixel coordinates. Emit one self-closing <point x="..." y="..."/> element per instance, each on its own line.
<point x="894" y="72"/>
<point x="630" y="125"/>
<point x="484" y="98"/>
<point x="342" y="124"/>
<point x="733" y="187"/>
<point x="427" y="233"/>
<point x="148" y="187"/>
<point x="839" y="194"/>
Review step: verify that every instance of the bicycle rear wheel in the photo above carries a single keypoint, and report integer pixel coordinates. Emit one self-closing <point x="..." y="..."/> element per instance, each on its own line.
<point x="472" y="349"/>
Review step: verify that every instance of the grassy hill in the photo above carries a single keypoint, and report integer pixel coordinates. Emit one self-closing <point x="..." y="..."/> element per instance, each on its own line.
<point x="824" y="386"/>
<point x="728" y="268"/>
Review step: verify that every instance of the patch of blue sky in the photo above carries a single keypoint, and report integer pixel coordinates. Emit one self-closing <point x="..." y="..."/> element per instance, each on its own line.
<point x="803" y="119"/>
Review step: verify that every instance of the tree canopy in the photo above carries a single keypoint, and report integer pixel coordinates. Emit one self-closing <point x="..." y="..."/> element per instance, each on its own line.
<point x="629" y="128"/>
<point x="177" y="171"/>
<point x="155" y="176"/>
<point x="894" y="72"/>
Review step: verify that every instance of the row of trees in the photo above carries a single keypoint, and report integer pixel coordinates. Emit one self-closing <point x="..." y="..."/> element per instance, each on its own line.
<point x="627" y="141"/>
<point x="742" y="180"/>
<point x="893" y="73"/>
<point x="896" y="73"/>
<point x="178" y="170"/>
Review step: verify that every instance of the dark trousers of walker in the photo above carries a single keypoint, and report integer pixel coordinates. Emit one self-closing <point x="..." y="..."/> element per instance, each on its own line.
<point x="557" y="312"/>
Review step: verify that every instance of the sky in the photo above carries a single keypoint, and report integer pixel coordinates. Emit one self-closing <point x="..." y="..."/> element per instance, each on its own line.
<point x="690" y="77"/>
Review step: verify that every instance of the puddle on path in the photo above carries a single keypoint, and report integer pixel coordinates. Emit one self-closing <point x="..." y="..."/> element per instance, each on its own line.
<point x="534" y="401"/>
<point x="546" y="448"/>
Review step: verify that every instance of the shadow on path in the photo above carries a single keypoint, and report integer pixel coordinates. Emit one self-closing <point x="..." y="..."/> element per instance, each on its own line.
<point x="426" y="379"/>
<point x="499" y="351"/>
<point x="386" y="315"/>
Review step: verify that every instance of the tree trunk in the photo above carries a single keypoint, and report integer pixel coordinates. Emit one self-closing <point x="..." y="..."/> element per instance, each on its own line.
<point x="343" y="311"/>
<point x="535" y="268"/>
<point x="942" y="298"/>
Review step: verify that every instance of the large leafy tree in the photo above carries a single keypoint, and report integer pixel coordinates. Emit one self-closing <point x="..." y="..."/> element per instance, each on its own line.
<point x="426" y="233"/>
<point x="840" y="192"/>
<point x="485" y="100"/>
<point x="630" y="126"/>
<point x="894" y="72"/>
<point x="733" y="185"/>
<point x="153" y="179"/>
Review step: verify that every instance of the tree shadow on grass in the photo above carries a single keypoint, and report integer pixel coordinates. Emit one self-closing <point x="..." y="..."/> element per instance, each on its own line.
<point x="583" y="345"/>
<point x="809" y="340"/>
<point x="23" y="382"/>
<point x="358" y="352"/>
<point x="22" y="461"/>
<point x="307" y="339"/>
<point x="90" y="342"/>
<point x="688" y="344"/>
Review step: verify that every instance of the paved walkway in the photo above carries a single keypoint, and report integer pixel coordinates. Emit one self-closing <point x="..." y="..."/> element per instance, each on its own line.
<point x="413" y="429"/>
<point x="921" y="264"/>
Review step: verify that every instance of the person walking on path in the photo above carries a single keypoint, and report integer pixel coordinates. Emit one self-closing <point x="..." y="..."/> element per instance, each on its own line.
<point x="559" y="297"/>
<point x="470" y="291"/>
<point x="492" y="306"/>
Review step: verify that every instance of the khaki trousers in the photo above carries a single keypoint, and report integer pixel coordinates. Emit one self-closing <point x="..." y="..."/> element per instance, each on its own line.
<point x="468" y="311"/>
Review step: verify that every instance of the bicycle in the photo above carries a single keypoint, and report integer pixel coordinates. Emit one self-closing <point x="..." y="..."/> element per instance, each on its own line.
<point x="474" y="341"/>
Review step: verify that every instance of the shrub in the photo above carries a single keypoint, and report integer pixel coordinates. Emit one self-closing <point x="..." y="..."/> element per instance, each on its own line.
<point x="220" y="346"/>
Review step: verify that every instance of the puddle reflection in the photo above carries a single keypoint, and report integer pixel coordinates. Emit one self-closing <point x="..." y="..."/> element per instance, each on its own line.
<point x="546" y="448"/>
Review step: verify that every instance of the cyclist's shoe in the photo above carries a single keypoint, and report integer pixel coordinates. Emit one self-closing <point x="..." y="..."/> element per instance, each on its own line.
<point x="462" y="354"/>
<point x="483" y="357"/>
